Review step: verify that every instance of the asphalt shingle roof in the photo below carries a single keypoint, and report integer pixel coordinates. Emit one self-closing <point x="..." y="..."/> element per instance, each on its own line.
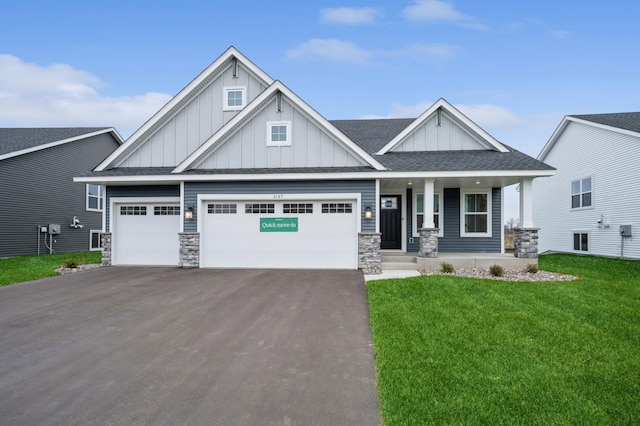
<point x="17" y="139"/>
<point x="621" y="120"/>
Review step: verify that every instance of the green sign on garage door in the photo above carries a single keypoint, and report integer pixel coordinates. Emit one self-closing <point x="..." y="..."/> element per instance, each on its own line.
<point x="278" y="224"/>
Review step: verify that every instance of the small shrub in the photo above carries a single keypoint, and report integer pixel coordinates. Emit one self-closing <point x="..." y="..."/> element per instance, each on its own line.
<point x="496" y="270"/>
<point x="447" y="268"/>
<point x="532" y="268"/>
<point x="73" y="263"/>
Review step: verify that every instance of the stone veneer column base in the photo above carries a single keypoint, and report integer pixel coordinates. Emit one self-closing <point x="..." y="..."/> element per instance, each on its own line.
<point x="369" y="257"/>
<point x="525" y="243"/>
<point x="189" y="249"/>
<point x="428" y="242"/>
<point x="105" y="241"/>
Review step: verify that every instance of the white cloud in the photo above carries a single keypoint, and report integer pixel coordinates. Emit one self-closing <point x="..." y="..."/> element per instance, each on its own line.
<point x="59" y="95"/>
<point x="331" y="49"/>
<point x="349" y="15"/>
<point x="433" y="11"/>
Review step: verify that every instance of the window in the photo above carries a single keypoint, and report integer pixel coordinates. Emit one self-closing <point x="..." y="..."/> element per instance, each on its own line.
<point x="337" y="208"/>
<point x="259" y="208"/>
<point x="278" y="133"/>
<point x="166" y="210"/>
<point x="581" y="193"/>
<point x="581" y="241"/>
<point x="234" y="98"/>
<point x="297" y="208"/>
<point x="476" y="214"/>
<point x="95" y="197"/>
<point x="95" y="242"/>
<point x="222" y="208"/>
<point x="418" y="217"/>
<point x="133" y="210"/>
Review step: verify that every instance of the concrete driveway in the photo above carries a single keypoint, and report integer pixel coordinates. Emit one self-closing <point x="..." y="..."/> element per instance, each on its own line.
<point x="169" y="346"/>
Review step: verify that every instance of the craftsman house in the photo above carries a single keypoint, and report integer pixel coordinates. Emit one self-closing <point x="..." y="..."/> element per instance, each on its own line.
<point x="238" y="171"/>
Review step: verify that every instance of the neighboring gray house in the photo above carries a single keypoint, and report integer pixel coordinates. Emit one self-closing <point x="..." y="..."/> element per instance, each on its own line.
<point x="596" y="189"/>
<point x="37" y="166"/>
<point x="238" y="171"/>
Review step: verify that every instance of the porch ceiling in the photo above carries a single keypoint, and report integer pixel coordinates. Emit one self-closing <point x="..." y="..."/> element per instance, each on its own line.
<point x="451" y="182"/>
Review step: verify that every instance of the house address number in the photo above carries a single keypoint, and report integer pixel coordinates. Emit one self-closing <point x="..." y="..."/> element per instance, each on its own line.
<point x="278" y="196"/>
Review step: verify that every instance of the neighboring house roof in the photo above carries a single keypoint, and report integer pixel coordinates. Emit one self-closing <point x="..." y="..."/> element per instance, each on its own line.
<point x="621" y="122"/>
<point x="20" y="141"/>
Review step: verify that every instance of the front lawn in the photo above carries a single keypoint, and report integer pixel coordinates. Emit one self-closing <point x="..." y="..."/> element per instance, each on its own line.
<point x="455" y="350"/>
<point x="26" y="268"/>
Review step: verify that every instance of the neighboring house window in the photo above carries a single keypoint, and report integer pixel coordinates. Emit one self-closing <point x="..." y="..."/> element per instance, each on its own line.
<point x="418" y="217"/>
<point x="476" y="214"/>
<point x="95" y="197"/>
<point x="581" y="193"/>
<point x="234" y="98"/>
<point x="279" y="133"/>
<point x="581" y="241"/>
<point x="94" y="240"/>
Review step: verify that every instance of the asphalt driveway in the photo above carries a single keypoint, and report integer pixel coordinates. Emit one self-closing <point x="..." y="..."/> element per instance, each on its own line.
<point x="169" y="346"/>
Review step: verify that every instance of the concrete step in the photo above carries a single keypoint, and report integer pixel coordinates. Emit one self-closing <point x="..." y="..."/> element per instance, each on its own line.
<point x="398" y="258"/>
<point x="399" y="266"/>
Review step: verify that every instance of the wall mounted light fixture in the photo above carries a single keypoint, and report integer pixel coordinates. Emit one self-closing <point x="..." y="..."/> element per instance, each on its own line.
<point x="188" y="213"/>
<point x="368" y="213"/>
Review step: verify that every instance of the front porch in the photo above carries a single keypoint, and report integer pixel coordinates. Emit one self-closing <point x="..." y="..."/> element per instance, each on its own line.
<point x="397" y="261"/>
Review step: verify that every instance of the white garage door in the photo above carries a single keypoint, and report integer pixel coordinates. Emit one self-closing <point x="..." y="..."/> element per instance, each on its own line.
<point x="279" y="234"/>
<point x="146" y="234"/>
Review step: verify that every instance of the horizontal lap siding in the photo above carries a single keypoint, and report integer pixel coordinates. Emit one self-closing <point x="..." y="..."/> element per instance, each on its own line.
<point x="366" y="188"/>
<point x="146" y="191"/>
<point x="452" y="242"/>
<point x="38" y="189"/>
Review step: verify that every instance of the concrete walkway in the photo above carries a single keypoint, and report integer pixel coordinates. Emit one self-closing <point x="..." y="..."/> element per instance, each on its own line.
<point x="133" y="345"/>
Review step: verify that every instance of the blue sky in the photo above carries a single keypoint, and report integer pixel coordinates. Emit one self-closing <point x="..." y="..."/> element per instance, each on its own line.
<point x="514" y="67"/>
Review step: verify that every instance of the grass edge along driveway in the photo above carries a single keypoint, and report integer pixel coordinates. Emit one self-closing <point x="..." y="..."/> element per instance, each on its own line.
<point x="19" y="269"/>
<point x="455" y="350"/>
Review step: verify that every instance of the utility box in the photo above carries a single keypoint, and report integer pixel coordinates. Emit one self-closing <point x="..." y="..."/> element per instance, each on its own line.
<point x="625" y="230"/>
<point x="54" y="228"/>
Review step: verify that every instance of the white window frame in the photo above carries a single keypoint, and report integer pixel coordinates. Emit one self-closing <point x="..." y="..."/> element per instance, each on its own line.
<point x="287" y="141"/>
<point x="100" y="198"/>
<point x="91" y="233"/>
<point x="225" y="98"/>
<point x="463" y="232"/>
<point x="581" y="193"/>
<point x="439" y="214"/>
<point x="581" y="232"/>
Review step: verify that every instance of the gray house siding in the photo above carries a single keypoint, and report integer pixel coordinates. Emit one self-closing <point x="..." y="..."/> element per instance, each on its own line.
<point x="146" y="191"/>
<point x="367" y="189"/>
<point x="452" y="242"/>
<point x="38" y="189"/>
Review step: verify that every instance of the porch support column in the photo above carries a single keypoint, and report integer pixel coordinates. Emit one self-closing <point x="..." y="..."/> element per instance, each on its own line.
<point x="429" y="232"/>
<point x="526" y="203"/>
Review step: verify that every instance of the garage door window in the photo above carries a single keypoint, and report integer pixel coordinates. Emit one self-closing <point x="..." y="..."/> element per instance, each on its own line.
<point x="259" y="208"/>
<point x="297" y="208"/>
<point x="337" y="208"/>
<point x="166" y="211"/>
<point x="133" y="210"/>
<point x="222" y="208"/>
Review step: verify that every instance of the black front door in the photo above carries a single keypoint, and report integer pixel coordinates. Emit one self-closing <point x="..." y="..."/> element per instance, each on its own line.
<point x="390" y="222"/>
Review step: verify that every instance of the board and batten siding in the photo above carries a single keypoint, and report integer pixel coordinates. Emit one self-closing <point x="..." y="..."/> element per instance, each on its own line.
<point x="611" y="159"/>
<point x="448" y="136"/>
<point x="38" y="189"/>
<point x="367" y="189"/>
<point x="142" y="191"/>
<point x="195" y="123"/>
<point x="310" y="146"/>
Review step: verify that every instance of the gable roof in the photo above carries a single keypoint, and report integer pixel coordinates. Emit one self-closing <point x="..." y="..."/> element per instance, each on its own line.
<point x="19" y="141"/>
<point x="180" y="100"/>
<point x="220" y="136"/>
<point x="432" y="110"/>
<point x="621" y="122"/>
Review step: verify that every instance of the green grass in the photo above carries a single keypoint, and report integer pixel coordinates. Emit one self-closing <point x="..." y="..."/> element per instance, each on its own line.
<point x="455" y="350"/>
<point x="26" y="268"/>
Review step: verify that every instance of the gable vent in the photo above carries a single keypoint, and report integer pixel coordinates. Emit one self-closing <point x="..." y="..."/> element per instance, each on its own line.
<point x="234" y="67"/>
<point x="279" y="101"/>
